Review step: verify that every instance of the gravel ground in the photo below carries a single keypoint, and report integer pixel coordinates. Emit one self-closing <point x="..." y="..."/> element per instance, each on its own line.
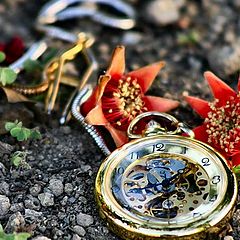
<point x="55" y="197"/>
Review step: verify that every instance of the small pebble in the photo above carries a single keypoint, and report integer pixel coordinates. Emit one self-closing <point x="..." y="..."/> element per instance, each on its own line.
<point x="68" y="188"/>
<point x="228" y="238"/>
<point x="64" y="200"/>
<point x="32" y="214"/>
<point x="224" y="60"/>
<point x="4" y="205"/>
<point x="162" y="12"/>
<point x="15" y="222"/>
<point x="56" y="186"/>
<point x="65" y="129"/>
<point x="84" y="220"/>
<point x="4" y="188"/>
<point x="76" y="237"/>
<point x="41" y="238"/>
<point x="35" y="190"/>
<point x="17" y="207"/>
<point x="79" y="230"/>
<point x="46" y="199"/>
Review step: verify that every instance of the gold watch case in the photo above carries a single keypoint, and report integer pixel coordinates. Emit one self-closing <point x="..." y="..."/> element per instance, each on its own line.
<point x="166" y="187"/>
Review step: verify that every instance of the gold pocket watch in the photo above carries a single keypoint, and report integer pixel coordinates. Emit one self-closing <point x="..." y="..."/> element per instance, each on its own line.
<point x="165" y="186"/>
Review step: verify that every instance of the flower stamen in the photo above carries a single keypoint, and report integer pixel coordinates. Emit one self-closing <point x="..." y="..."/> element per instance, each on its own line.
<point x="223" y="125"/>
<point x="124" y="99"/>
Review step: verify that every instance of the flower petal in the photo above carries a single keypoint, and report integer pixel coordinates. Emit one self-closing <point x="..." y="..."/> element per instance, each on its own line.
<point x="146" y="75"/>
<point x="235" y="159"/>
<point x="118" y="136"/>
<point x="96" y="116"/>
<point x="239" y="83"/>
<point x="14" y="49"/>
<point x="219" y="88"/>
<point x="159" y="104"/>
<point x="200" y="106"/>
<point x="201" y="134"/>
<point x="117" y="64"/>
<point x="95" y="97"/>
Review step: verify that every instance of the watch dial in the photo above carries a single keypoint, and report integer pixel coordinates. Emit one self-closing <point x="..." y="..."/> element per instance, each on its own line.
<point x="167" y="181"/>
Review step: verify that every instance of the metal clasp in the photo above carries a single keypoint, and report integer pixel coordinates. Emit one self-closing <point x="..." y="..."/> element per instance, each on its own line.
<point x="157" y="123"/>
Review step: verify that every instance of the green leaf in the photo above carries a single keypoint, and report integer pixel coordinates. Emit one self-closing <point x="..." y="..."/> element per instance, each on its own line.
<point x="10" y="125"/>
<point x="7" y="76"/>
<point x="16" y="161"/>
<point x="32" y="65"/>
<point x="236" y="170"/>
<point x="26" y="132"/>
<point x="1" y="228"/>
<point x="2" y="56"/>
<point x="35" y="134"/>
<point x="20" y="133"/>
<point x="50" y="54"/>
<point x="22" y="236"/>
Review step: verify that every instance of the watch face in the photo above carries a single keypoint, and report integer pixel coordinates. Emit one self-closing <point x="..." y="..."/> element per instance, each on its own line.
<point x="167" y="184"/>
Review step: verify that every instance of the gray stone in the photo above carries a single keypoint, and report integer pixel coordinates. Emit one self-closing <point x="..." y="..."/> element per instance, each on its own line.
<point x="35" y="190"/>
<point x="4" y="205"/>
<point x="16" y="207"/>
<point x="131" y="38"/>
<point x="32" y="203"/>
<point x="15" y="222"/>
<point x="65" y="129"/>
<point x="224" y="60"/>
<point x="32" y="214"/>
<point x="228" y="238"/>
<point x="46" y="199"/>
<point x="41" y="238"/>
<point x="4" y="188"/>
<point x="2" y="170"/>
<point x="79" y="230"/>
<point x="84" y="220"/>
<point x="68" y="188"/>
<point x="64" y="201"/>
<point x="163" y="12"/>
<point x="56" y="186"/>
<point x="76" y="237"/>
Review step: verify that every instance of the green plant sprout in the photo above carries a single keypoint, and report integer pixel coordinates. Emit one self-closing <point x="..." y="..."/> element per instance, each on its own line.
<point x="13" y="236"/>
<point x="236" y="170"/>
<point x="18" y="159"/>
<point x="17" y="130"/>
<point x="7" y="75"/>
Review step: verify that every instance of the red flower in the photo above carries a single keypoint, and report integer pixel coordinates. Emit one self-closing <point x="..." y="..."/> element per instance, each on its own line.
<point x="119" y="97"/>
<point x="221" y="127"/>
<point x="13" y="49"/>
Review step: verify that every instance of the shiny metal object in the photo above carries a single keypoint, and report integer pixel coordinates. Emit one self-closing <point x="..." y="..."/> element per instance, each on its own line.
<point x="91" y="130"/>
<point x="54" y="70"/>
<point x="59" y="10"/>
<point x="33" y="53"/>
<point x="157" y="128"/>
<point x="165" y="186"/>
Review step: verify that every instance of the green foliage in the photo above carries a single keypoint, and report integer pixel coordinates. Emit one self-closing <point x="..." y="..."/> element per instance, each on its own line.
<point x="2" y="56"/>
<point x="32" y="65"/>
<point x="19" y="159"/>
<point x="191" y="37"/>
<point x="7" y="76"/>
<point x="236" y="170"/>
<point x="13" y="236"/>
<point x="17" y="130"/>
<point x="35" y="65"/>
